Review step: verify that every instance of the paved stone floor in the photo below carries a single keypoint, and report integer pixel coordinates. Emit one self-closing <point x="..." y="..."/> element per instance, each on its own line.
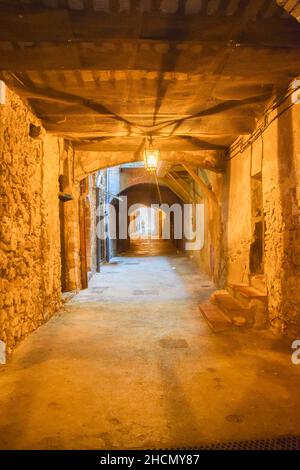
<point x="130" y="363"/>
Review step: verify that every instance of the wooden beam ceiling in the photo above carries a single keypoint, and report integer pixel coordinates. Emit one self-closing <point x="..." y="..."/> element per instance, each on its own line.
<point x="194" y="74"/>
<point x="32" y="23"/>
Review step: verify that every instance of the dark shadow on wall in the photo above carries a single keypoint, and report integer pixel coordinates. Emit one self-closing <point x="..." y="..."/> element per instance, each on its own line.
<point x="224" y="219"/>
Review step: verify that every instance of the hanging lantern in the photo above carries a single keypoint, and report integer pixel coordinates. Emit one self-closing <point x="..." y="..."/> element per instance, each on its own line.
<point x="151" y="157"/>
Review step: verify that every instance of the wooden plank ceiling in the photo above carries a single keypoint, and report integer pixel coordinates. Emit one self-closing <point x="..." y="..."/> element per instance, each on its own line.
<point x="105" y="74"/>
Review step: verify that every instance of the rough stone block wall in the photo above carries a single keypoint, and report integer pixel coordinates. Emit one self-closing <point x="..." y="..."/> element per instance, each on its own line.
<point x="30" y="290"/>
<point x="71" y="235"/>
<point x="282" y="216"/>
<point x="73" y="242"/>
<point x="277" y="152"/>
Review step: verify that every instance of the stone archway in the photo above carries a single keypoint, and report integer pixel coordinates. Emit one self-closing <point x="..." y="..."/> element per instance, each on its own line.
<point x="145" y="194"/>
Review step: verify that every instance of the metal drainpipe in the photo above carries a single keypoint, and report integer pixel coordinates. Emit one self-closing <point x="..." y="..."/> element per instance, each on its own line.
<point x="107" y="196"/>
<point x="98" y="241"/>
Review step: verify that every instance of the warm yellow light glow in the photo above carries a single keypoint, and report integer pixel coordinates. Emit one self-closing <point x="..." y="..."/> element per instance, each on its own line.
<point x="151" y="158"/>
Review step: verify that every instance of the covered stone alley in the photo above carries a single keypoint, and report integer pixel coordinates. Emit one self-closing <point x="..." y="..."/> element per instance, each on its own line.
<point x="150" y="224"/>
<point x="130" y="364"/>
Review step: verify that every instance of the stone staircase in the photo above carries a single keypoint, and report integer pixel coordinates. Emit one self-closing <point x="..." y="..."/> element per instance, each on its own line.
<point x="239" y="306"/>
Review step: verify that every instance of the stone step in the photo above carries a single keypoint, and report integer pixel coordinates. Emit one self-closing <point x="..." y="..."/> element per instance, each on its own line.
<point x="239" y="315"/>
<point x="215" y="318"/>
<point x="245" y="294"/>
<point x="258" y="281"/>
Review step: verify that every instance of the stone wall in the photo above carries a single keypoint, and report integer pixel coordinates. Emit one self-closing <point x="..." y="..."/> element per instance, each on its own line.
<point x="92" y="226"/>
<point x="70" y="227"/>
<point x="30" y="290"/>
<point x="276" y="155"/>
<point x="71" y="230"/>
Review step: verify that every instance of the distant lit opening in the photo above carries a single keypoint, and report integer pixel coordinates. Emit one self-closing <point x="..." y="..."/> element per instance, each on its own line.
<point x="146" y="222"/>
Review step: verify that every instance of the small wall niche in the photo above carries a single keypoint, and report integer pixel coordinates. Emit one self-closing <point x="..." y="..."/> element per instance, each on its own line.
<point x="35" y="132"/>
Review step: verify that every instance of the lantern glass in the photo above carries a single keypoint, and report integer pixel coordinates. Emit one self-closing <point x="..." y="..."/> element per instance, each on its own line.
<point x="151" y="158"/>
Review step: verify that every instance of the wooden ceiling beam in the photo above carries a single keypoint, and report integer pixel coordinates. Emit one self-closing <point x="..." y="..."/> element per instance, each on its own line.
<point x="162" y="169"/>
<point x="93" y="127"/>
<point x="172" y="184"/>
<point x="209" y="160"/>
<point x="118" y="65"/>
<point x="208" y="192"/>
<point x="189" y="57"/>
<point x="28" y="23"/>
<point x="123" y="144"/>
<point x="90" y="161"/>
<point x="182" y="186"/>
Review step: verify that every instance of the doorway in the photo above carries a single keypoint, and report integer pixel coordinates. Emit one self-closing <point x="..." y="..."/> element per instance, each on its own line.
<point x="257" y="226"/>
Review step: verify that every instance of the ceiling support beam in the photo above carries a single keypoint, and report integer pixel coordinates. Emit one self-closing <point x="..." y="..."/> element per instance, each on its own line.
<point x="87" y="162"/>
<point x="26" y="23"/>
<point x="167" y="146"/>
<point x="179" y="186"/>
<point x="207" y="192"/>
<point x="185" y="187"/>
<point x="74" y="56"/>
<point x="209" y="160"/>
<point x="163" y="169"/>
<point x="168" y="182"/>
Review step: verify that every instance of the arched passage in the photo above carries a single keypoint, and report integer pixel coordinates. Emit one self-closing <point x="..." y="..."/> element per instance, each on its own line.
<point x="147" y="195"/>
<point x="85" y="85"/>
